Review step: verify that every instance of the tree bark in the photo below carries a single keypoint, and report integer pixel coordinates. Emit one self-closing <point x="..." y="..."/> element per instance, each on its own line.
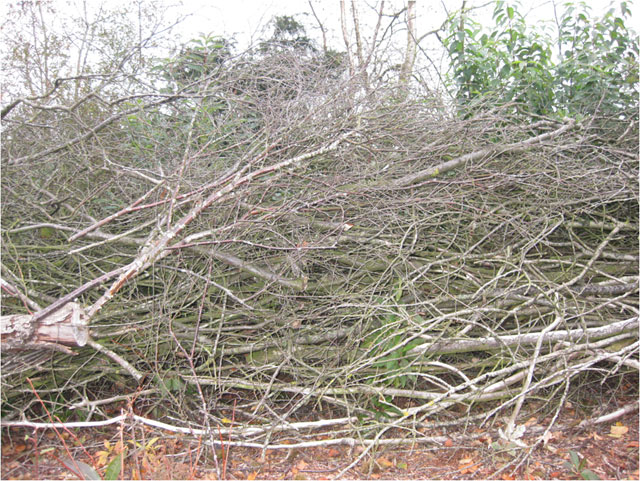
<point x="66" y="326"/>
<point x="410" y="53"/>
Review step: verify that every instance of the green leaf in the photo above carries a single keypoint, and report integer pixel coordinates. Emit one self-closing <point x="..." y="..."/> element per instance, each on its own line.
<point x="510" y="12"/>
<point x="391" y="365"/>
<point x="385" y="405"/>
<point x="400" y="381"/>
<point x="174" y="384"/>
<point x="162" y="385"/>
<point x="588" y="474"/>
<point x="575" y="458"/>
<point x="113" y="470"/>
<point x="86" y="471"/>
<point x="623" y="7"/>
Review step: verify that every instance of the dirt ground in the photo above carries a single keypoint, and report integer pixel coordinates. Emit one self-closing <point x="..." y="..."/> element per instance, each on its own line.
<point x="604" y="451"/>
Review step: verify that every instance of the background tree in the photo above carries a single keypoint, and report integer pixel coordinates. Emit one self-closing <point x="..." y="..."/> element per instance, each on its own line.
<point x="594" y="67"/>
<point x="597" y="69"/>
<point x="412" y="40"/>
<point x="288" y="34"/>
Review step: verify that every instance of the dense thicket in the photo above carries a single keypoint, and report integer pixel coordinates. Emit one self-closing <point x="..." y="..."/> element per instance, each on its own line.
<point x="272" y="238"/>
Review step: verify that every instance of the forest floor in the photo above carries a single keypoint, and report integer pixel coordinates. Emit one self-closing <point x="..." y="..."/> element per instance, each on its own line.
<point x="603" y="451"/>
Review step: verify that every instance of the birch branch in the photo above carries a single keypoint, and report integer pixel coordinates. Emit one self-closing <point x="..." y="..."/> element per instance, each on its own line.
<point x="480" y="154"/>
<point x="158" y="249"/>
<point x="487" y="343"/>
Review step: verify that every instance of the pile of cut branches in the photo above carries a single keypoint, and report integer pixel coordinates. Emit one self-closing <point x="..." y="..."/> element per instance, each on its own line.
<point x="262" y="249"/>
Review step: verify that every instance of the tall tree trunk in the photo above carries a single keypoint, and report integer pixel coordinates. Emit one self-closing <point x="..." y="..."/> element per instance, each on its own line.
<point x="345" y="36"/>
<point x="410" y="53"/>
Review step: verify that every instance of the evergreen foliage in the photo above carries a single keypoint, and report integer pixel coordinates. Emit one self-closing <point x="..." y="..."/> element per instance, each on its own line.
<point x="587" y="65"/>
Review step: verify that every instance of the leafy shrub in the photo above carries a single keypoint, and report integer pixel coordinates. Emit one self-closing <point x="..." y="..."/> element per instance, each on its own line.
<point x="595" y="67"/>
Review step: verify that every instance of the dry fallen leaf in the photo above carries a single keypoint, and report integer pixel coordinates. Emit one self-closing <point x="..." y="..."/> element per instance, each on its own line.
<point x="384" y="462"/>
<point x="252" y="476"/>
<point x="618" y="430"/>
<point x="333" y="453"/>
<point x="546" y="437"/>
<point x="467" y="466"/>
<point x="103" y="457"/>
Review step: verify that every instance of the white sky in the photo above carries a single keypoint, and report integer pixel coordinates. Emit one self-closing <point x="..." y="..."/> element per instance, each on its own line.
<point x="247" y="21"/>
<point x="242" y="19"/>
